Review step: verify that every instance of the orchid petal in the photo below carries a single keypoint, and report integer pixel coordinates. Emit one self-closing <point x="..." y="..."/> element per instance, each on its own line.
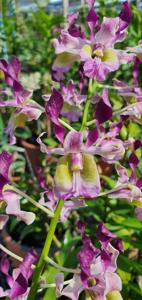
<point x="73" y="142"/>
<point x="5" y="162"/>
<point x="73" y="290"/>
<point x="13" y="207"/>
<point x="90" y="180"/>
<point x="63" y="177"/>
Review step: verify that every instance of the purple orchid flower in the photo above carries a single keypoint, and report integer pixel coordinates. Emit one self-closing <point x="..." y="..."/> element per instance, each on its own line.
<point x="76" y="173"/>
<point x="26" y="108"/>
<point x="127" y="188"/>
<point x="18" y="282"/>
<point x="8" y="194"/>
<point x="52" y="201"/>
<point x="97" y="54"/>
<point x="98" y="272"/>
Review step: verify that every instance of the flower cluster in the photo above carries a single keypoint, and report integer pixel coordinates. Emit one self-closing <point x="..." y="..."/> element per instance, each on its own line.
<point x="88" y="129"/>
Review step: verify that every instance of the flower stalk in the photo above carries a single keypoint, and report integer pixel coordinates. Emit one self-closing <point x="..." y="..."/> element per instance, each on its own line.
<point x="45" y="251"/>
<point x="87" y="105"/>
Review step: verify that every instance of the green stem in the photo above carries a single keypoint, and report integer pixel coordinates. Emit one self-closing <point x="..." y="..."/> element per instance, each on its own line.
<point x="66" y="124"/>
<point x="45" y="251"/>
<point x="86" y="108"/>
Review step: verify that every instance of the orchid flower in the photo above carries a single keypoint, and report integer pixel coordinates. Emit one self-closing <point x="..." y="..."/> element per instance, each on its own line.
<point x="98" y="270"/>
<point x="18" y="282"/>
<point x="26" y="108"/>
<point x="8" y="195"/>
<point x="97" y="53"/>
<point x="52" y="201"/>
<point x="76" y="172"/>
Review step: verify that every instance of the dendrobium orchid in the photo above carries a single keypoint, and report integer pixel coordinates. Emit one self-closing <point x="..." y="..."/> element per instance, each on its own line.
<point x="76" y="173"/>
<point x="18" y="282"/>
<point x="98" y="270"/>
<point x="26" y="109"/>
<point x="97" y="53"/>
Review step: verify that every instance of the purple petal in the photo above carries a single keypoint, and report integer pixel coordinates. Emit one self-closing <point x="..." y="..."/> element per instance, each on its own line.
<point x="111" y="150"/>
<point x="117" y="243"/>
<point x="104" y="235"/>
<point x="5" y="162"/>
<point x="16" y="65"/>
<point x="133" y="160"/>
<point x="26" y="266"/>
<point x="53" y="110"/>
<point x="107" y="32"/>
<point x="73" y="142"/>
<point x="103" y="108"/>
<point x="4" y="265"/>
<point x="24" y="272"/>
<point x="139" y="182"/>
<point x="19" y="287"/>
<point x="92" y="136"/>
<point x="59" y="132"/>
<point x="92" y="19"/>
<point x="54" y="106"/>
<point x="86" y="255"/>
<point x="125" y="15"/>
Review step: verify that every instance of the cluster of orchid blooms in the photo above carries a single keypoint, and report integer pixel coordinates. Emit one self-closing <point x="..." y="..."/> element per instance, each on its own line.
<point x="77" y="177"/>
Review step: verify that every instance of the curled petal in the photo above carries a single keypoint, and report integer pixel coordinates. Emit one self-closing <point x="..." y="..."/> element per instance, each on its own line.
<point x="13" y="207"/>
<point x="45" y="149"/>
<point x="111" y="150"/>
<point x="104" y="235"/>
